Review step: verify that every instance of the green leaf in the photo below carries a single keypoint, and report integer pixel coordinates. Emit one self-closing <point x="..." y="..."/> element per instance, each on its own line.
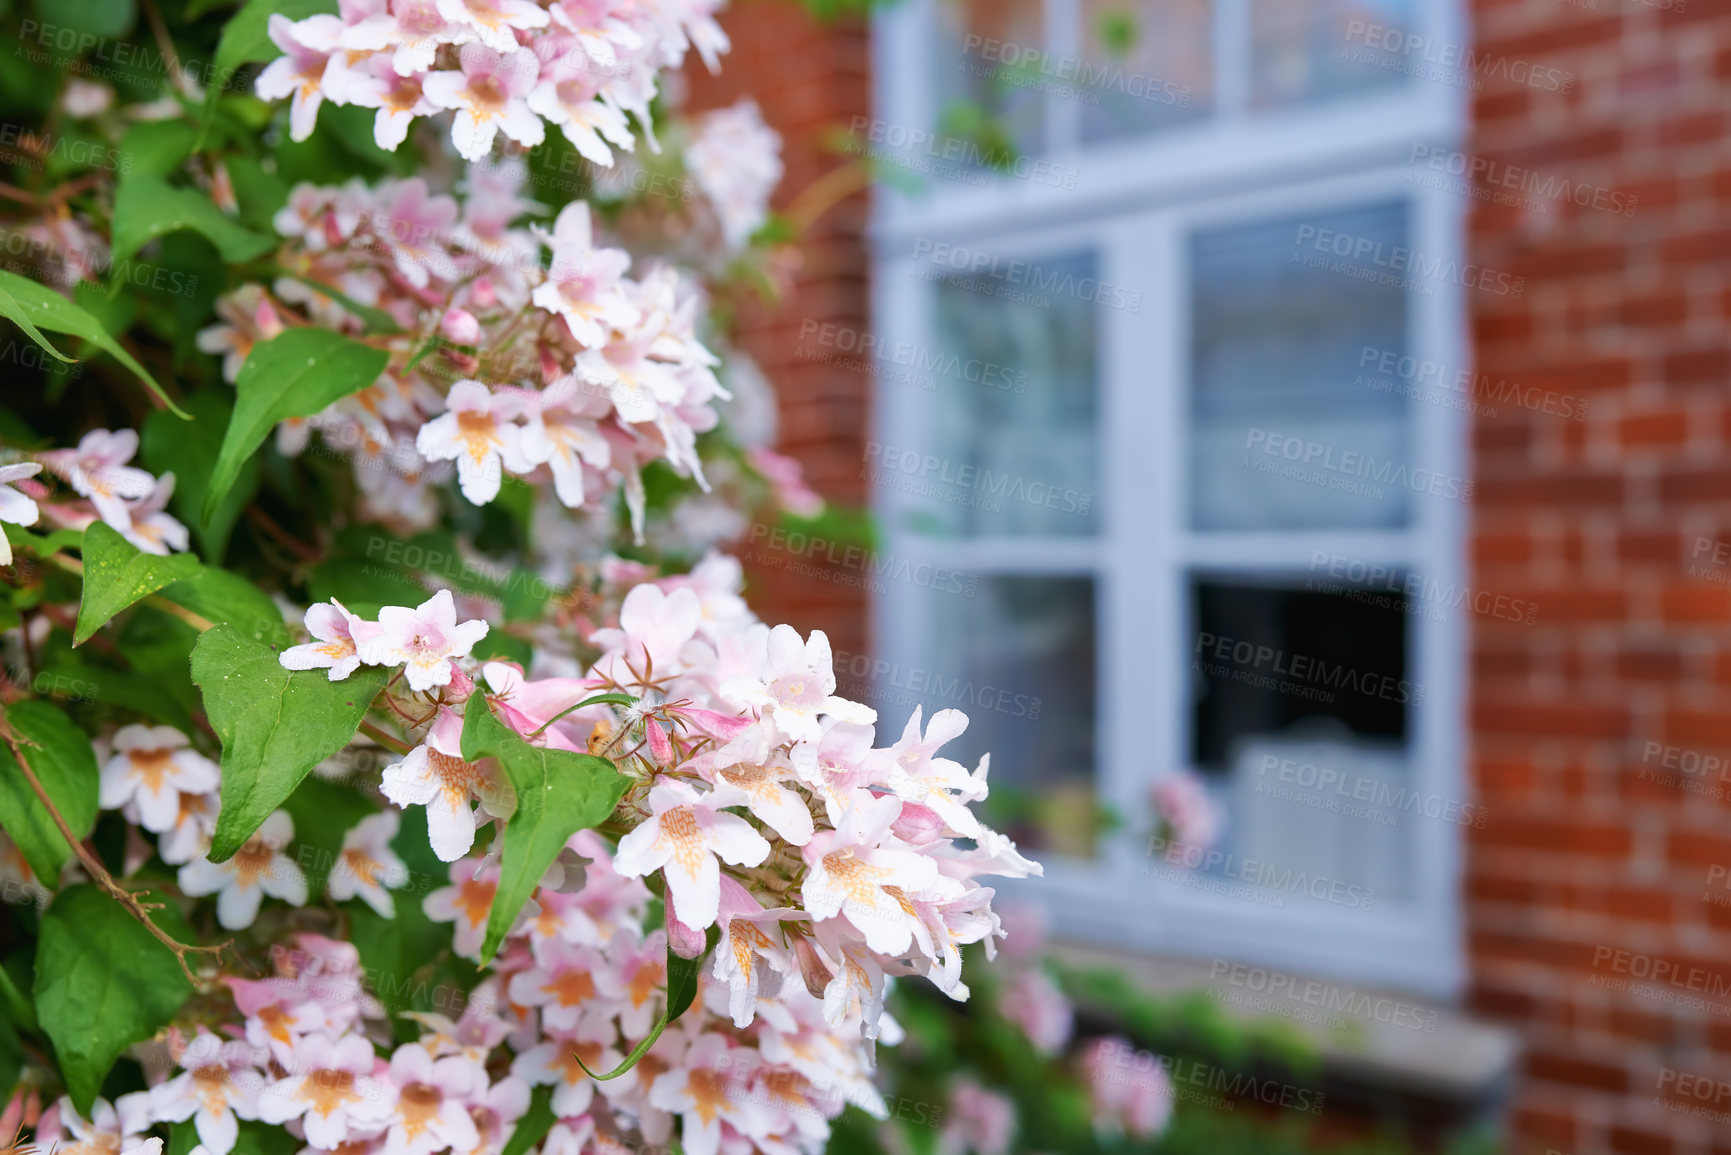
<point x="33" y="307"/>
<point x="295" y="374"/>
<point x="60" y="755"/>
<point x="535" y="1123"/>
<point x="323" y="812"/>
<point x="147" y="207"/>
<point x="103" y="983"/>
<point x="109" y="19"/>
<point x="681" y="989"/>
<point x="275" y="725"/>
<point x="191" y="452"/>
<point x="221" y="597"/>
<point x="11" y="1059"/>
<point x="556" y="792"/>
<point x="117" y="574"/>
<point x="157" y="147"/>
<point x="246" y="37"/>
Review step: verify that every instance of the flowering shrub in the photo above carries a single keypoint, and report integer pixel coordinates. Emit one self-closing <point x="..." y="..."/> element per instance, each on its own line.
<point x="389" y="762"/>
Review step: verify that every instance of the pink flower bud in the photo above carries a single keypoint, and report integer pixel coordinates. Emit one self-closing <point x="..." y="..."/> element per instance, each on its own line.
<point x="460" y="687"/>
<point x="460" y="326"/>
<point x="659" y="744"/>
<point x="483" y="294"/>
<point x="812" y="968"/>
<point x="686" y="942"/>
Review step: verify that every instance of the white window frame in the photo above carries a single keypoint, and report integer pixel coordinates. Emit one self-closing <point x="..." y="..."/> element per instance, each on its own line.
<point x="1135" y="204"/>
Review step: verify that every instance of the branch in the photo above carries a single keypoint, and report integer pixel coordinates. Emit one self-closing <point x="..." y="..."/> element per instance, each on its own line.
<point x="382" y="738"/>
<point x="99" y="873"/>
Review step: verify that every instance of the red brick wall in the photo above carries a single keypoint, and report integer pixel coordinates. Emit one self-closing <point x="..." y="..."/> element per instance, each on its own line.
<point x="1587" y="852"/>
<point x="810" y="78"/>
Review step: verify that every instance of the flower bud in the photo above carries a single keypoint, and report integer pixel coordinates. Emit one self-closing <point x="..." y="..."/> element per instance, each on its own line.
<point x="812" y="968"/>
<point x="460" y="326"/>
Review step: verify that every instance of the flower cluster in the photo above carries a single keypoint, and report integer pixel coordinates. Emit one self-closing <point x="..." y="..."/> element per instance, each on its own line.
<point x="103" y="488"/>
<point x="758" y="807"/>
<point x="502" y="66"/>
<point x="594" y="373"/>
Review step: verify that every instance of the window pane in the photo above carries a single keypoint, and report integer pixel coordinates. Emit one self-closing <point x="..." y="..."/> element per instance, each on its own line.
<point x="1013" y="432"/>
<point x="1308" y="49"/>
<point x="1302" y="712"/>
<point x="1018" y="658"/>
<point x="1278" y="331"/>
<point x="1144" y="66"/>
<point x="981" y="48"/>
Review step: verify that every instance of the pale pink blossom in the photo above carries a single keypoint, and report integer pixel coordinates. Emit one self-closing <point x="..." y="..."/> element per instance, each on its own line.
<point x="436" y="775"/>
<point x="684" y="836"/>
<point x="307" y="47"/>
<point x="261" y="867"/>
<point x="797" y="685"/>
<point x="151" y="768"/>
<point x="336" y="635"/>
<point x="331" y="1089"/>
<point x="425" y="640"/>
<point x="489" y="94"/>
<point x="478" y="431"/>
<point x="366" y="865"/>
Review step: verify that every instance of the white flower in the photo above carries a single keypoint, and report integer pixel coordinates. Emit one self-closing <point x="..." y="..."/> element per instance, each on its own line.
<point x="97" y="469"/>
<point x="860" y="871"/>
<point x="568" y="95"/>
<point x="15" y="507"/>
<point x="435" y="775"/>
<point x="736" y="160"/>
<point x="337" y="633"/>
<point x="797" y="685"/>
<point x="684" y="835"/>
<point x="495" y="21"/>
<point x="939" y="784"/>
<point x="478" y="433"/>
<point x="558" y="438"/>
<point x="307" y="47"/>
<point x="151" y="768"/>
<point x="366" y="865"/>
<point x="432" y="1115"/>
<point x="427" y="639"/>
<point x="331" y="1089"/>
<point x="151" y="528"/>
<point x="257" y="869"/>
<point x="489" y="95"/>
<point x="216" y="1089"/>
<point x="582" y="285"/>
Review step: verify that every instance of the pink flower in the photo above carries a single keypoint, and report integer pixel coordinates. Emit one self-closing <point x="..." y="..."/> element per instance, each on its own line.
<point x="582" y="285"/>
<point x="426" y="639"/>
<point x="331" y="1088"/>
<point x="466" y="902"/>
<point x="684" y="836"/>
<point x="569" y="95"/>
<point x="366" y="865"/>
<point x="152" y="529"/>
<point x="1131" y="1091"/>
<point x="495" y="21"/>
<point x="489" y="94"/>
<point x="938" y="784"/>
<point x="436" y="775"/>
<point x="15" y="507"/>
<point x="555" y="1063"/>
<point x="558" y="437"/>
<point x="432" y="1114"/>
<point x="415" y="227"/>
<point x="307" y="46"/>
<point x="476" y="431"/>
<point x="706" y="1089"/>
<point x="797" y="684"/>
<point x="1033" y="1002"/>
<point x="151" y="768"/>
<point x="858" y="871"/>
<point x="980" y="1121"/>
<point x="336" y="634"/>
<point x="218" y="1087"/>
<point x="259" y="868"/>
<point x="97" y="469"/>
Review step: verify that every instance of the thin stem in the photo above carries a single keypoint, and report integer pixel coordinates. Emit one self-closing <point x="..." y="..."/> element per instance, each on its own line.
<point x="383" y="738"/>
<point x="265" y="522"/>
<point x="99" y="873"/>
<point x="825" y="193"/>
